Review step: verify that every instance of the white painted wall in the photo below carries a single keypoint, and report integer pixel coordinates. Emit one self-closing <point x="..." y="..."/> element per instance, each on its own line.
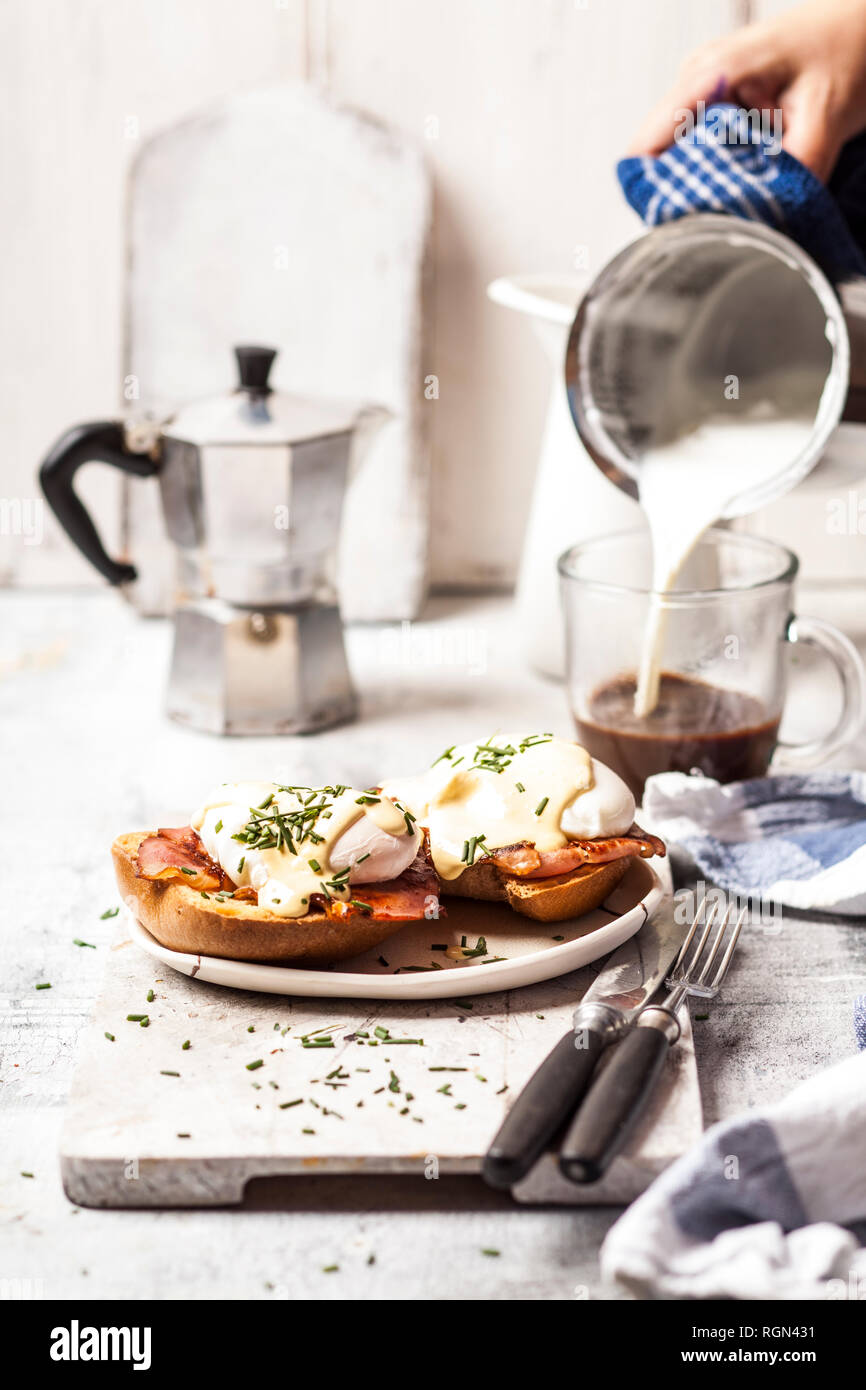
<point x="523" y="106"/>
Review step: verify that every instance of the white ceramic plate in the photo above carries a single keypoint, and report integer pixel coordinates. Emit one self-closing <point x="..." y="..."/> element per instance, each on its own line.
<point x="528" y="951"/>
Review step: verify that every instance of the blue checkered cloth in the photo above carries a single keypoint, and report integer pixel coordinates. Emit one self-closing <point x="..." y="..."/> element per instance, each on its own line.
<point x="795" y="840"/>
<point x="726" y="165"/>
<point x="771" y="1204"/>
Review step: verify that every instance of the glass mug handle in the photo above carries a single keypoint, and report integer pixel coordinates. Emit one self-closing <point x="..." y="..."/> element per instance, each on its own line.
<point x="814" y="632"/>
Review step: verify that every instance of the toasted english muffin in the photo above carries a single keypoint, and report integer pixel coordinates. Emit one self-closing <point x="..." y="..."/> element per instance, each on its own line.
<point x="545" y="899"/>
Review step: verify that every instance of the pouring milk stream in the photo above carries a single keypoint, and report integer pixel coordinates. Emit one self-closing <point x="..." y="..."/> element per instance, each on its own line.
<point x="687" y="485"/>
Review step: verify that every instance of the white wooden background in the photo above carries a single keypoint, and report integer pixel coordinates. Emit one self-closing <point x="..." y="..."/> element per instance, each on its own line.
<point x="522" y="105"/>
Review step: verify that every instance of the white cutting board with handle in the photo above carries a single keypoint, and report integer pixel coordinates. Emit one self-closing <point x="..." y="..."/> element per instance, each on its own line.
<point x="277" y="217"/>
<point x="223" y="1086"/>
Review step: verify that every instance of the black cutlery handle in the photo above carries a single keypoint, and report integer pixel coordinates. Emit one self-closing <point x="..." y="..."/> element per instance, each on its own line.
<point x="614" y="1103"/>
<point x="545" y="1102"/>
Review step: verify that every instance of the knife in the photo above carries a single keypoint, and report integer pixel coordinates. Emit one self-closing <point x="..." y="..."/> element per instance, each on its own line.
<point x="626" y="983"/>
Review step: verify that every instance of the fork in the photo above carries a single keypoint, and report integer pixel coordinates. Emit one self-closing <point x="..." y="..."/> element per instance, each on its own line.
<point x="618" y="1095"/>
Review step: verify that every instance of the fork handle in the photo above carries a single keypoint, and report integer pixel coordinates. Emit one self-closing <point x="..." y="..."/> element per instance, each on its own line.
<point x="616" y="1099"/>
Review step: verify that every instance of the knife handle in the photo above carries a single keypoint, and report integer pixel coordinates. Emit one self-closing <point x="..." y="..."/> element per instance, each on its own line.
<point x="617" y="1098"/>
<point x="547" y="1099"/>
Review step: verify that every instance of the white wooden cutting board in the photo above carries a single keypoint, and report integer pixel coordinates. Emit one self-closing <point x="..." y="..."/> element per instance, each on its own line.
<point x="136" y="1134"/>
<point x="277" y="217"/>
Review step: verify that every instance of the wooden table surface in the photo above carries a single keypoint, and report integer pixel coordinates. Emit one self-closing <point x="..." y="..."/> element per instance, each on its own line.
<point x="87" y="753"/>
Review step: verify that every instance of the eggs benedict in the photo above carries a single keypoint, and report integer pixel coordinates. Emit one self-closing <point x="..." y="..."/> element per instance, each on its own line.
<point x="266" y="871"/>
<point x="529" y="819"/>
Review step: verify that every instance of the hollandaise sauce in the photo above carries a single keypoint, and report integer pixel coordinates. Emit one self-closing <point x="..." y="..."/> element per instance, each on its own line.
<point x="511" y="789"/>
<point x="291" y="842"/>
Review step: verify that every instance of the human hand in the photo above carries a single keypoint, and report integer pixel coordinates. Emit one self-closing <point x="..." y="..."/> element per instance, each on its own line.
<point x="810" y="63"/>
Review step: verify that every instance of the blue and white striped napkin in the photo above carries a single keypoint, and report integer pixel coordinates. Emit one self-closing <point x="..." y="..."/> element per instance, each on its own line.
<point x="771" y="1204"/>
<point x="726" y="163"/>
<point x="794" y="840"/>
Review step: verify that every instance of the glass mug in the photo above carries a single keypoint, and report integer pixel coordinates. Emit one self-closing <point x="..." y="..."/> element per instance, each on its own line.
<point x="726" y="628"/>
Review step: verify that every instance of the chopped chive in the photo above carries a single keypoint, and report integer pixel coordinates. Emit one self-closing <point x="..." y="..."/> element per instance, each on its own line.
<point x="190" y="873"/>
<point x="541" y="805"/>
<point x="445" y="756"/>
<point x="150" y="996"/>
<point x="185" y="1046"/>
<point x="254" y="1066"/>
<point x="290" y="1104"/>
<point x="135" y="1018"/>
<point x="110" y="1037"/>
<point x="45" y="985"/>
<point x="169" y="1073"/>
<point x="109" y="912"/>
<point x="76" y="941"/>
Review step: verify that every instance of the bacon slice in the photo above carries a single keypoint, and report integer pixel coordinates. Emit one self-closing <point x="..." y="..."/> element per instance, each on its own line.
<point x="525" y="861"/>
<point x="179" y="853"/>
<point x="408" y="898"/>
<point x="183" y="835"/>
